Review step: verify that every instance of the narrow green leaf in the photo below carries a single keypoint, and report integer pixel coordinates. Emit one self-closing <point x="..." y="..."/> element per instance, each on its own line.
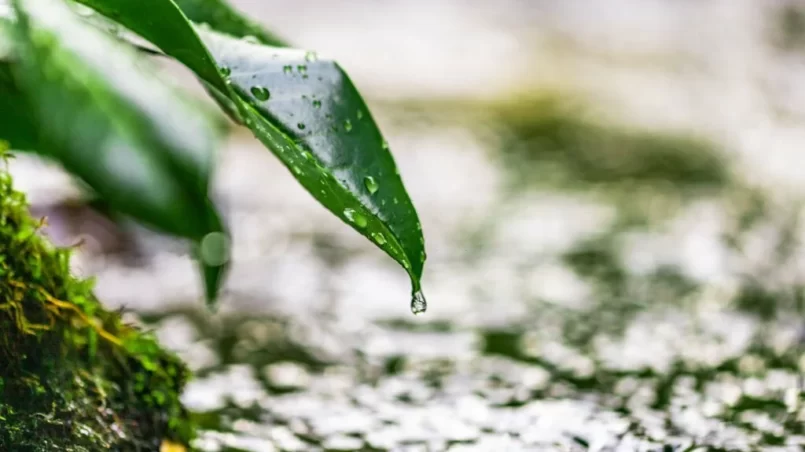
<point x="104" y="116"/>
<point x="307" y="111"/>
<point x="221" y="16"/>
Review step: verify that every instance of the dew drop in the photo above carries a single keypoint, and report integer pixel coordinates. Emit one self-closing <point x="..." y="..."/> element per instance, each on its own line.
<point x="348" y="125"/>
<point x="396" y="201"/>
<point x="316" y="104"/>
<point x="301" y="126"/>
<point x="355" y="217"/>
<point x="261" y="93"/>
<point x="251" y="39"/>
<point x="225" y="71"/>
<point x="311" y="56"/>
<point x="379" y="238"/>
<point x="301" y="68"/>
<point x="422" y="256"/>
<point x="371" y="184"/>
<point x="418" y="303"/>
<point x="83" y="11"/>
<point x="287" y="69"/>
<point x="360" y="114"/>
<point x="215" y="249"/>
<point x="307" y="155"/>
<point x="385" y="145"/>
<point x="297" y="170"/>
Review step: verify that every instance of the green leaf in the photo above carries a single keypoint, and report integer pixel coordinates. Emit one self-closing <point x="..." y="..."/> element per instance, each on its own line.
<point x="307" y="111"/>
<point x="103" y="115"/>
<point x="330" y="142"/>
<point x="221" y="16"/>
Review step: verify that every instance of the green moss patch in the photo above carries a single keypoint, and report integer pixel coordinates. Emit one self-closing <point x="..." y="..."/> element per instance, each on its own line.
<point x="74" y="376"/>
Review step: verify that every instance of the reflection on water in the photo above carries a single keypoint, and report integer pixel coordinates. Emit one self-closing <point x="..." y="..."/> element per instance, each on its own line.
<point x="592" y="285"/>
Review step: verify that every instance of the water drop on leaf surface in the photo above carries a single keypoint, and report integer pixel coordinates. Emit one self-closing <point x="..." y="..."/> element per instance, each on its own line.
<point x="83" y="10"/>
<point x="348" y="125"/>
<point x="379" y="238"/>
<point x="260" y="93"/>
<point x="215" y="249"/>
<point x="371" y="184"/>
<point x="355" y="217"/>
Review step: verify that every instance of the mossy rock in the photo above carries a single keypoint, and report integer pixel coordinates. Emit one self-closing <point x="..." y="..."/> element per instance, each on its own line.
<point x="73" y="375"/>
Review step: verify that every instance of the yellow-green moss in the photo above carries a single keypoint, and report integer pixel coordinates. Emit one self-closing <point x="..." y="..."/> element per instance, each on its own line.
<point x="73" y="376"/>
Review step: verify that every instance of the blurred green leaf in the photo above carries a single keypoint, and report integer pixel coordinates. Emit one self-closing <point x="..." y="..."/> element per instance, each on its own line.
<point x="221" y="16"/>
<point x="18" y="126"/>
<point x="307" y="112"/>
<point x="104" y="116"/>
<point x="17" y="123"/>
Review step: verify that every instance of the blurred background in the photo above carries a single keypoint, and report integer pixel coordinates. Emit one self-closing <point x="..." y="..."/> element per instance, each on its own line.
<point x="610" y="192"/>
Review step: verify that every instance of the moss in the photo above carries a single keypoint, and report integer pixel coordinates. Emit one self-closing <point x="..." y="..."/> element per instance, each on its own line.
<point x="74" y="376"/>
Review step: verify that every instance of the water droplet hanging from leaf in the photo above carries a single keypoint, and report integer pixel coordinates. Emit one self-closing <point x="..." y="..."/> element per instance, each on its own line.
<point x="418" y="303"/>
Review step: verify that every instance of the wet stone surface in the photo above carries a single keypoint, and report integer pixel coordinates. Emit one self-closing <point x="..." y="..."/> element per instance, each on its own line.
<point x="562" y="317"/>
